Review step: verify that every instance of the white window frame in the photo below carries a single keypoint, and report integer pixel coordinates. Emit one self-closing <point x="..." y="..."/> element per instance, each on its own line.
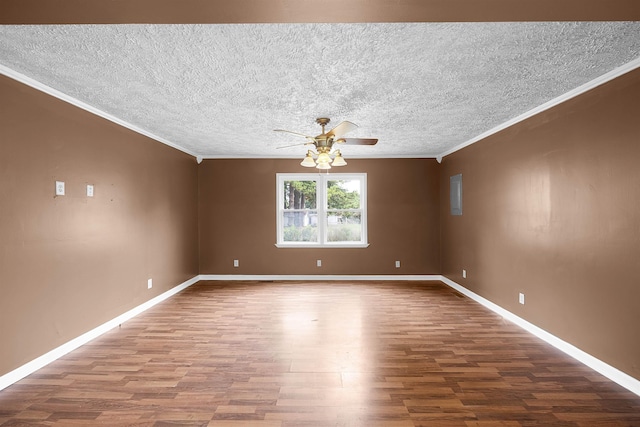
<point x="321" y="206"/>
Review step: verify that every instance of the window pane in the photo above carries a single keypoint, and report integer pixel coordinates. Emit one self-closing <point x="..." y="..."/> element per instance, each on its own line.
<point x="300" y="226"/>
<point x="299" y="195"/>
<point x="343" y="194"/>
<point x="315" y="210"/>
<point x="344" y="226"/>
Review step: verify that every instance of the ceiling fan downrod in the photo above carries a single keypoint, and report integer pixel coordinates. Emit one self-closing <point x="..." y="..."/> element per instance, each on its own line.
<point x="323" y="121"/>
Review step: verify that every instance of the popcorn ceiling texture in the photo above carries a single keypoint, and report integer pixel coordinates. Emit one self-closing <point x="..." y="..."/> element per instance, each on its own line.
<point x="220" y="90"/>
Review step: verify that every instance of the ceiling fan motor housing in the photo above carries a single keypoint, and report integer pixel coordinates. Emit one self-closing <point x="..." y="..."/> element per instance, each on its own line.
<point x="325" y="140"/>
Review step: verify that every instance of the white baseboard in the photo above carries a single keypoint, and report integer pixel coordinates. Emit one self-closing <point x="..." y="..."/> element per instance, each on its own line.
<point x="30" y="367"/>
<point x="615" y="375"/>
<point x="267" y="277"/>
<point x="597" y="365"/>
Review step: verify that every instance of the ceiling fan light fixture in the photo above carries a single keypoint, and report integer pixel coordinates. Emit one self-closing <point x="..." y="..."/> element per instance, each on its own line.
<point x="338" y="160"/>
<point x="308" y="161"/>
<point x="323" y="158"/>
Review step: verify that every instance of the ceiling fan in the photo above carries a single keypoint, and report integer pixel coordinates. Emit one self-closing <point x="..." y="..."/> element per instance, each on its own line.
<point x="324" y="144"/>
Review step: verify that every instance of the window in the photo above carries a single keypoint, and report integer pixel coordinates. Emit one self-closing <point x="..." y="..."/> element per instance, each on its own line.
<point x="322" y="210"/>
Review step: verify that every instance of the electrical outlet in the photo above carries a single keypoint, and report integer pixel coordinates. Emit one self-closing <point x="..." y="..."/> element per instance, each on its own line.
<point x="59" y="188"/>
<point x="236" y="263"/>
<point x="149" y="283"/>
<point x="397" y="264"/>
<point x="521" y="298"/>
<point x="89" y="190"/>
<point x="464" y="274"/>
<point x="319" y="263"/>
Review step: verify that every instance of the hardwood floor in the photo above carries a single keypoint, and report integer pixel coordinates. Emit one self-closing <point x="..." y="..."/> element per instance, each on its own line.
<point x="282" y="354"/>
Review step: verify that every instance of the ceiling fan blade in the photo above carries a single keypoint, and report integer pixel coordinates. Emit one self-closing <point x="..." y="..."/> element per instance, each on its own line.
<point x="295" y="133"/>
<point x="341" y="129"/>
<point x="295" y="145"/>
<point x="358" y="141"/>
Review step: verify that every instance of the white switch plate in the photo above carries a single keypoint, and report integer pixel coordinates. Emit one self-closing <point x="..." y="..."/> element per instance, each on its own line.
<point x="464" y="274"/>
<point x="521" y="298"/>
<point x="59" y="188"/>
<point x="397" y="264"/>
<point x="236" y="263"/>
<point x="319" y="263"/>
<point x="149" y="283"/>
<point x="89" y="190"/>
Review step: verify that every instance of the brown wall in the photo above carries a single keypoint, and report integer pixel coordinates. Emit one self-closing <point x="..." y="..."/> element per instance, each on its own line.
<point x="238" y="220"/>
<point x="551" y="209"/>
<point x="71" y="263"/>
<point x="271" y="11"/>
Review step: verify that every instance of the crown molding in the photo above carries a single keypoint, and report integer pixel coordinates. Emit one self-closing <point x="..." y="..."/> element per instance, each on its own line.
<point x="613" y="74"/>
<point x="83" y="105"/>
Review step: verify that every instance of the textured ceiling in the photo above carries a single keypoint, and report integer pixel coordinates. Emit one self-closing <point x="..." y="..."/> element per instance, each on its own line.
<point x="422" y="89"/>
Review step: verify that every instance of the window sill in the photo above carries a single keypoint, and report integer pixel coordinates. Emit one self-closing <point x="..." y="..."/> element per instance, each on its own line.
<point x="319" y="246"/>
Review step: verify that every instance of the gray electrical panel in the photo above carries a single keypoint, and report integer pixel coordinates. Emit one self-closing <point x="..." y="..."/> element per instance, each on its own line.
<point x="455" y="194"/>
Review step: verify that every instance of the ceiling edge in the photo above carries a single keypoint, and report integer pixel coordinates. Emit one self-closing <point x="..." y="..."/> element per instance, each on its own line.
<point x="613" y="74"/>
<point x="300" y="157"/>
<point x="617" y="72"/>
<point x="93" y="110"/>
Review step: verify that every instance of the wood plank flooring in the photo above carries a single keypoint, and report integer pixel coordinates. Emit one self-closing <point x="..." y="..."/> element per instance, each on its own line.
<point x="282" y="354"/>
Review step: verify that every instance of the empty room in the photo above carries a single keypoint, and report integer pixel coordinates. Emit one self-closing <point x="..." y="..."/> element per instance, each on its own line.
<point x="320" y="213"/>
